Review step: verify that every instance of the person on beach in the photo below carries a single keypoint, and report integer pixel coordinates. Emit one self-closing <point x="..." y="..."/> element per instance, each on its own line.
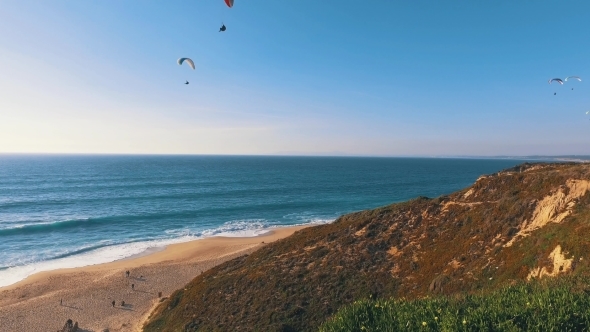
<point x="122" y="303"/>
<point x="132" y="286"/>
<point x="61" y="302"/>
<point x="113" y="303"/>
<point x="127" y="273"/>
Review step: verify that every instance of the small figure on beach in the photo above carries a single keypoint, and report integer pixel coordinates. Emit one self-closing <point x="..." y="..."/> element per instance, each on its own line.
<point x="61" y="302"/>
<point x="122" y="303"/>
<point x="132" y="286"/>
<point x="127" y="273"/>
<point x="113" y="303"/>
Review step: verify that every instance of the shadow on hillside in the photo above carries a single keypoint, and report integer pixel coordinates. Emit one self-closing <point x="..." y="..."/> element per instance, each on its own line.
<point x="127" y="306"/>
<point x="71" y="307"/>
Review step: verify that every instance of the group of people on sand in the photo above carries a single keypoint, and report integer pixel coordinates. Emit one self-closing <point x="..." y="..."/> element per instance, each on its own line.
<point x="127" y="274"/>
<point x="114" y="303"/>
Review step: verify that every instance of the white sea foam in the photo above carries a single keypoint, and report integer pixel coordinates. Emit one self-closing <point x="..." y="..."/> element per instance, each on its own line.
<point x="16" y="224"/>
<point x="244" y="233"/>
<point x="319" y="221"/>
<point x="307" y="217"/>
<point x="102" y="255"/>
<point x="239" y="228"/>
<point x="236" y="228"/>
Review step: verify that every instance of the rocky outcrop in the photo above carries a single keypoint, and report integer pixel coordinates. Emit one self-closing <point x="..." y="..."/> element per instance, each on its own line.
<point x="560" y="263"/>
<point x="554" y="208"/>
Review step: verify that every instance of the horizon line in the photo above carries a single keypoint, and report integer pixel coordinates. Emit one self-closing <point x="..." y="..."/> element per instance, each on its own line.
<point x="298" y="155"/>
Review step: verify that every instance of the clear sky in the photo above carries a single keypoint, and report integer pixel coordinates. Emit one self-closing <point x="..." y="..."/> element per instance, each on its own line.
<point x="304" y="77"/>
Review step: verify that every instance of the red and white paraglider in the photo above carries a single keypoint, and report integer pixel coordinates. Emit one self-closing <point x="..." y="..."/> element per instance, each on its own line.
<point x="229" y="3"/>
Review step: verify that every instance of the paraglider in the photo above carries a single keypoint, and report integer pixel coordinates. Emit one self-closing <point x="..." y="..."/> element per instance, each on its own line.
<point x="573" y="77"/>
<point x="190" y="62"/>
<point x="229" y="3"/>
<point x="558" y="80"/>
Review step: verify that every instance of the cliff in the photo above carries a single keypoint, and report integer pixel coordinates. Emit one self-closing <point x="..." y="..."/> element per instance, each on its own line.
<point x="527" y="222"/>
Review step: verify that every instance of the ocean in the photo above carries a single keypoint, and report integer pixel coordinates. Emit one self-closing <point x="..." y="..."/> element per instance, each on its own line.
<point x="60" y="211"/>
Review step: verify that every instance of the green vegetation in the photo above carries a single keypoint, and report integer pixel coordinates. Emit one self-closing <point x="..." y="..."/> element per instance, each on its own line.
<point x="557" y="305"/>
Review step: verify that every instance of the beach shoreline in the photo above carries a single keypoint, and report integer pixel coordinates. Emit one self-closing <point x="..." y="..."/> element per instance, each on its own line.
<point x="45" y="300"/>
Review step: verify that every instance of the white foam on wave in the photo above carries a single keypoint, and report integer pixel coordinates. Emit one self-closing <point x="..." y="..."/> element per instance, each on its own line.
<point x="234" y="228"/>
<point x="308" y="218"/>
<point x="244" y="233"/>
<point x="99" y="256"/>
<point x="318" y="221"/>
<point x="15" y="224"/>
<point x="239" y="228"/>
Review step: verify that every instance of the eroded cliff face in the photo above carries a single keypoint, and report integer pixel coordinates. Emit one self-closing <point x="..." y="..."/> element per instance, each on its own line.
<point x="553" y="208"/>
<point x="561" y="264"/>
<point x="527" y="222"/>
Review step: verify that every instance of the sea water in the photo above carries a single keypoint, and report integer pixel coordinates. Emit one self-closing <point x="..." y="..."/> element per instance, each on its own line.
<point x="59" y="211"/>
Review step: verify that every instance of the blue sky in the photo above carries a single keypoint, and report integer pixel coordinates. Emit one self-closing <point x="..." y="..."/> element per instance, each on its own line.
<point x="305" y="77"/>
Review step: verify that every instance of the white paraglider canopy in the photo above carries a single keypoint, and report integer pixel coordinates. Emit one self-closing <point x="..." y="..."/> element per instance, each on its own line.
<point x="573" y="77"/>
<point x="187" y="60"/>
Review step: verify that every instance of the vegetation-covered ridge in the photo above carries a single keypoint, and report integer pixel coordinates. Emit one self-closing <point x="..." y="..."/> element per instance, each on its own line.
<point x="527" y="222"/>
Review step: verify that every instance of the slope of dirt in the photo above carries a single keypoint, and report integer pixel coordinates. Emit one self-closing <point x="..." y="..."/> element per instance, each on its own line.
<point x="530" y="221"/>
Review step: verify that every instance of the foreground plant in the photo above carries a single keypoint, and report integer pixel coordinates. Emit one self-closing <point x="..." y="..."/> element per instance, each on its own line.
<point x="560" y="305"/>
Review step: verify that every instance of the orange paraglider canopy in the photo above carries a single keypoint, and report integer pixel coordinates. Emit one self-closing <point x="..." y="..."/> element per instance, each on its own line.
<point x="229" y="3"/>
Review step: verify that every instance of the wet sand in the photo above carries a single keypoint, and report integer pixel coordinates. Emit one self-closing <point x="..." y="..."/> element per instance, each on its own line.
<point x="87" y="292"/>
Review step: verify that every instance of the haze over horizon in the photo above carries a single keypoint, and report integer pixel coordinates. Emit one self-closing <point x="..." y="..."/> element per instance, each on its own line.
<point x="362" y="78"/>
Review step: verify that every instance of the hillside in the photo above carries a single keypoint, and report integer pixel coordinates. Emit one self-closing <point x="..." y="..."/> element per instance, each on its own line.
<point x="527" y="222"/>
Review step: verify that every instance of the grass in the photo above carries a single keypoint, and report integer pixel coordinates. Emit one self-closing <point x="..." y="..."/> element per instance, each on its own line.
<point x="556" y="305"/>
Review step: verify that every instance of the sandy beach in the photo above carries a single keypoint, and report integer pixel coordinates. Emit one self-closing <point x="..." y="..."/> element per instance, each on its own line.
<point x="44" y="301"/>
